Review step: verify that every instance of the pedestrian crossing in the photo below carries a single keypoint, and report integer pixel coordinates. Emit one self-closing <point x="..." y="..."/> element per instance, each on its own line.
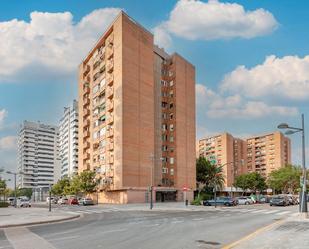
<point x="279" y="212"/>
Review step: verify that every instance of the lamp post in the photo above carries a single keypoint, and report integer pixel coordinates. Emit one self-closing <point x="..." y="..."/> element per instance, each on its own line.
<point x="153" y="160"/>
<point x="15" y="174"/>
<point x="291" y="130"/>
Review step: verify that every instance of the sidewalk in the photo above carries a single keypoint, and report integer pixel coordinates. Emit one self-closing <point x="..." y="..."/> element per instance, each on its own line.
<point x="291" y="233"/>
<point x="11" y="216"/>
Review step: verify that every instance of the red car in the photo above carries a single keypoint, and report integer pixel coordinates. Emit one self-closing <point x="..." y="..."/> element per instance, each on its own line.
<point x="73" y="201"/>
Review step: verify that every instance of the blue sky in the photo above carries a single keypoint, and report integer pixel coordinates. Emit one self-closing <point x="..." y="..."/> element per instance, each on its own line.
<point x="238" y="90"/>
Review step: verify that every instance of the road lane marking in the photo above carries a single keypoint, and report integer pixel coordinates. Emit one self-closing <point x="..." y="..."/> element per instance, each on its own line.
<point x="272" y="211"/>
<point x="21" y="238"/>
<point x="251" y="235"/>
<point x="259" y="211"/>
<point x="198" y="219"/>
<point x="64" y="238"/>
<point x="282" y="213"/>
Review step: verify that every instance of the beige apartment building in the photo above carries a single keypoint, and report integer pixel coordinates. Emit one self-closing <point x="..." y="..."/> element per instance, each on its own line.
<point x="227" y="151"/>
<point x="268" y="152"/>
<point x="262" y="154"/>
<point x="137" y="117"/>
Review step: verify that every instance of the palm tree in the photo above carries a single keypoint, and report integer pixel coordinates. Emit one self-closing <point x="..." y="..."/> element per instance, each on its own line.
<point x="209" y="175"/>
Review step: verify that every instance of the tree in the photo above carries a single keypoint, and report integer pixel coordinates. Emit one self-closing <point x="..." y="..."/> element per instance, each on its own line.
<point x="59" y="187"/>
<point x="253" y="181"/>
<point x="285" y="179"/>
<point x="2" y="187"/>
<point x="88" y="181"/>
<point x="209" y="175"/>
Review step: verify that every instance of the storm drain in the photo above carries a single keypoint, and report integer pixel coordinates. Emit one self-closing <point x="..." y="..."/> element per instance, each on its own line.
<point x="204" y="242"/>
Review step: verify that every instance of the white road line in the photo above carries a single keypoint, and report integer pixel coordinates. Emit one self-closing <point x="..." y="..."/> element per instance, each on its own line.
<point x="64" y="238"/>
<point x="198" y="219"/>
<point x="177" y="221"/>
<point x="259" y="211"/>
<point x="283" y="213"/>
<point x="271" y="211"/>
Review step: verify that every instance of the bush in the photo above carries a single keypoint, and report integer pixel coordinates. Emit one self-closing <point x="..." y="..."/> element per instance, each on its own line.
<point x="3" y="204"/>
<point x="197" y="201"/>
<point x="205" y="196"/>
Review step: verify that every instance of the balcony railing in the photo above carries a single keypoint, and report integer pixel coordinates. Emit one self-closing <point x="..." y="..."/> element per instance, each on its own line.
<point x="86" y="69"/>
<point x="110" y="133"/>
<point x="86" y="112"/>
<point x="110" y="119"/>
<point x="110" y="105"/>
<point x="110" y="92"/>
<point x="110" y="79"/>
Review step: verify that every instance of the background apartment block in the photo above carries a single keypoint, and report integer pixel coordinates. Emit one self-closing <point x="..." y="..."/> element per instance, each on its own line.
<point x="227" y="151"/>
<point x="268" y="152"/>
<point x="137" y="120"/>
<point x="38" y="151"/>
<point x="261" y="154"/>
<point x="68" y="140"/>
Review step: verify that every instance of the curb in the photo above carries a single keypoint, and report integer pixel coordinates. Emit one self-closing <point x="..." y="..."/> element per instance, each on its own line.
<point x="41" y="222"/>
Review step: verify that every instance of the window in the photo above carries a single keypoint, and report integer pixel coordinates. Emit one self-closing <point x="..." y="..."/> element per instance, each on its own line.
<point x="171" y="116"/>
<point x="164" y="170"/>
<point x="171" y="149"/>
<point x="164" y="148"/>
<point x="171" y="93"/>
<point x="171" y="160"/>
<point x="95" y="89"/>
<point x="164" y="104"/>
<point x="102" y="83"/>
<point x="102" y="131"/>
<point x="164" y="137"/>
<point x="171" y="105"/>
<point x="164" y="127"/>
<point x="164" y="116"/>
<point x="95" y="135"/>
<point x="171" y="127"/>
<point x="172" y="172"/>
<point x="171" y="138"/>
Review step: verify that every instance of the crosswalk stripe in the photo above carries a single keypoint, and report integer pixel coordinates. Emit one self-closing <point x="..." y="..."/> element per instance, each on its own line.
<point x="282" y="213"/>
<point x="271" y="211"/>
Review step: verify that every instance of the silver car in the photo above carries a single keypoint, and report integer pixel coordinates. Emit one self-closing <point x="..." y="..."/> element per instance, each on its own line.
<point x="85" y="201"/>
<point x="23" y="202"/>
<point x="244" y="200"/>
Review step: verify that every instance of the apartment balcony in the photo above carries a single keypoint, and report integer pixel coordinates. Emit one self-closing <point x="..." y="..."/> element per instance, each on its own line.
<point x="86" y="156"/>
<point x="86" y="69"/>
<point x="86" y="145"/>
<point x="110" y="133"/>
<point x="87" y="123"/>
<point x="110" y="105"/>
<point x="86" y="134"/>
<point x="86" y="88"/>
<point x="110" y="79"/>
<point x="110" y="52"/>
<point x="110" y="160"/>
<point x="86" y="102"/>
<point x="86" y="113"/>
<point x="111" y="147"/>
<point x="110" y="66"/>
<point x="110" y="92"/>
<point x="110" y="119"/>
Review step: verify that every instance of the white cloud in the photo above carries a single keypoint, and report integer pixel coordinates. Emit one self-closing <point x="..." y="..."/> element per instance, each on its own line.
<point x="3" y="114"/>
<point x="286" y="77"/>
<point x="8" y="143"/>
<point x="161" y="37"/>
<point x="237" y="107"/>
<point x="197" y="20"/>
<point x="51" y="42"/>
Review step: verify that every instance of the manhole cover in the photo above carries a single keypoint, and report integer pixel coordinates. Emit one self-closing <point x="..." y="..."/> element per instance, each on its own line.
<point x="213" y="243"/>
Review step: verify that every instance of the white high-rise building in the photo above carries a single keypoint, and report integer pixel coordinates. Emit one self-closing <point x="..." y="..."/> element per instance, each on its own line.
<point x="68" y="140"/>
<point x="38" y="150"/>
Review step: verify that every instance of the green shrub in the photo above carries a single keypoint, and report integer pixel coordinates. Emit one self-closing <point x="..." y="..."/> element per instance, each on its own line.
<point x="205" y="196"/>
<point x="196" y="201"/>
<point x="3" y="204"/>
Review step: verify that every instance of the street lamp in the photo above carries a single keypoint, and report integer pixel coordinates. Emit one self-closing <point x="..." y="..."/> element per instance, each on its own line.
<point x="291" y="130"/>
<point x="15" y="174"/>
<point x="153" y="160"/>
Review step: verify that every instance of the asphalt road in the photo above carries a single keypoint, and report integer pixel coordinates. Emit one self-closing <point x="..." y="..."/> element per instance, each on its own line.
<point x="117" y="229"/>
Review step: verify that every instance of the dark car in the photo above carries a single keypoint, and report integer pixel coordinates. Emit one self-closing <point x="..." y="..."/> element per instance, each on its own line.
<point x="221" y="201"/>
<point x="279" y="201"/>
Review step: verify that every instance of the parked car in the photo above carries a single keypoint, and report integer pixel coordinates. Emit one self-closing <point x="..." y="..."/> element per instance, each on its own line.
<point x="23" y="202"/>
<point x="244" y="200"/>
<point x="73" y="201"/>
<point x="279" y="201"/>
<point x="11" y="200"/>
<point x="54" y="200"/>
<point x="63" y="201"/>
<point x="221" y="201"/>
<point x="85" y="201"/>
